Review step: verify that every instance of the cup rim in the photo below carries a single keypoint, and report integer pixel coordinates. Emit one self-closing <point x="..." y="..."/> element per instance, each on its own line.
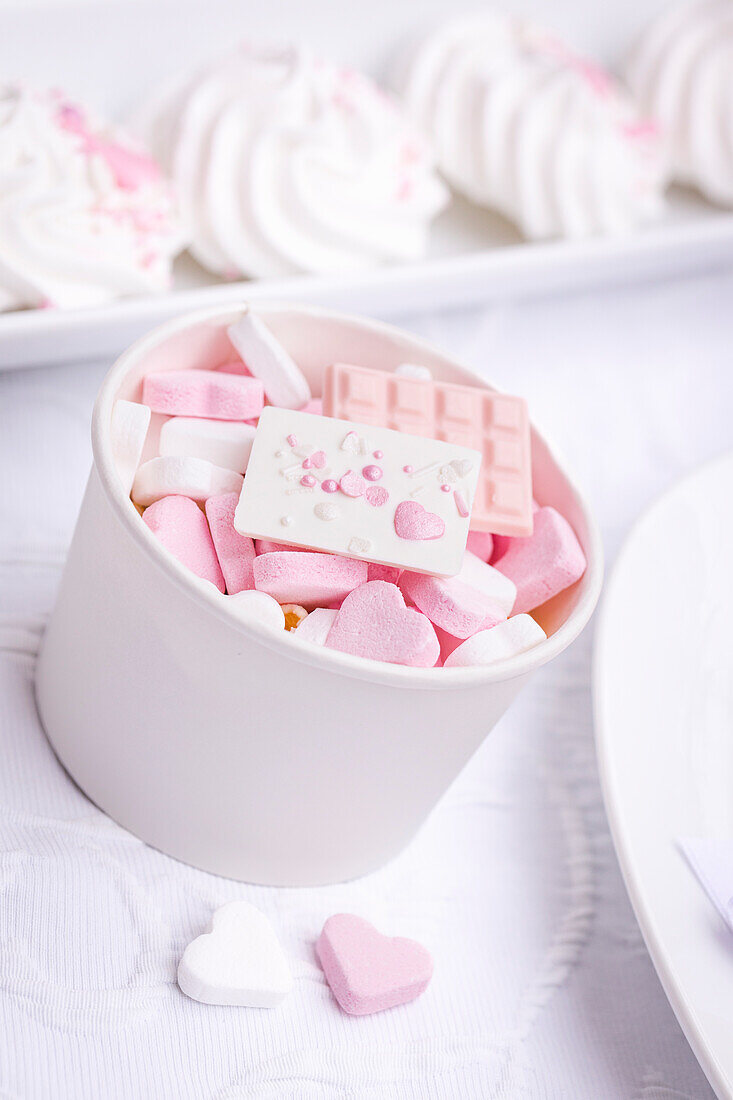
<point x="326" y="660"/>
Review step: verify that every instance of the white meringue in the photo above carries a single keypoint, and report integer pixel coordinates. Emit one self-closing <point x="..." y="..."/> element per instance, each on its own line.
<point x="84" y="216"/>
<point x="523" y="126"/>
<point x="681" y="71"/>
<point x="286" y="164"/>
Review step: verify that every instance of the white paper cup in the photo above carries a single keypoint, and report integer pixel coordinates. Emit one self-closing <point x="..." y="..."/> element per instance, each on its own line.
<point x="233" y="748"/>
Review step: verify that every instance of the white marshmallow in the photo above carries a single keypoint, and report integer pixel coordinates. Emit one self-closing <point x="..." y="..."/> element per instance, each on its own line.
<point x="257" y="607"/>
<point x="130" y="422"/>
<point x="237" y="962"/>
<point x="315" y="627"/>
<point x="226" y="443"/>
<point x="187" y="477"/>
<point x="265" y="358"/>
<point x="412" y="370"/>
<point x="507" y="639"/>
<point x="478" y="574"/>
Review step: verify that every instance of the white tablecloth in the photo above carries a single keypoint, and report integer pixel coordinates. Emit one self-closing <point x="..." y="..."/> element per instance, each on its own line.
<point x="542" y="984"/>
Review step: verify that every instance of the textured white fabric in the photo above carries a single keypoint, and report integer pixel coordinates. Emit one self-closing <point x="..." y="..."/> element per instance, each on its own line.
<point x="542" y="985"/>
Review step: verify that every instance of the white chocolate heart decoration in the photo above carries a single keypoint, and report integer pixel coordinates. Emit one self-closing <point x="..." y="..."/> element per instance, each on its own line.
<point x="327" y="511"/>
<point x="304" y="450"/>
<point x="462" y="466"/>
<point x="350" y="443"/>
<point x="237" y="962"/>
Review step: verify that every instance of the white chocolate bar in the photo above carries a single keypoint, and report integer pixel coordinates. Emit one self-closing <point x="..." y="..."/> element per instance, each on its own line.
<point x="362" y="491"/>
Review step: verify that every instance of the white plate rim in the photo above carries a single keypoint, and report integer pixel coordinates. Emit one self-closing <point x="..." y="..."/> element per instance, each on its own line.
<point x="685" y="1012"/>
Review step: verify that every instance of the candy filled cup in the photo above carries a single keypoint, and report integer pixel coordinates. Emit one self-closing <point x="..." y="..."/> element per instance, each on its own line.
<point x="228" y="746"/>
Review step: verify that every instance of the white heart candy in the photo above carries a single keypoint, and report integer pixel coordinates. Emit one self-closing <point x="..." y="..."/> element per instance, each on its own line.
<point x="237" y="962"/>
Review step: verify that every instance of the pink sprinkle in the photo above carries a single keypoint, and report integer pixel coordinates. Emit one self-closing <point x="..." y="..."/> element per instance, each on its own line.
<point x="319" y="459"/>
<point x="308" y="480"/>
<point x="376" y="496"/>
<point x="329" y="485"/>
<point x="461" y="503"/>
<point x="307" y="463"/>
<point x="378" y="454"/>
<point x="129" y="168"/>
<point x="445" y="488"/>
<point x="408" y="469"/>
<point x="292" y="441"/>
<point x="372" y="473"/>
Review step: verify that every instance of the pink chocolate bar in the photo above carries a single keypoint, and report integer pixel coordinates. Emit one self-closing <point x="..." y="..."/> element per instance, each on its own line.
<point x="495" y="424"/>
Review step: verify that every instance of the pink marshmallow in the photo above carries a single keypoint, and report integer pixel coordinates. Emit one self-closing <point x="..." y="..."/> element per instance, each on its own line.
<point x="235" y="552"/>
<point x="235" y="366"/>
<point x="501" y="545"/>
<point x="211" y="394"/>
<point x="384" y="573"/>
<point x="307" y="578"/>
<point x="374" y="622"/>
<point x="368" y="972"/>
<point x="268" y="546"/>
<point x="545" y="562"/>
<point x="480" y="543"/>
<point x="181" y="527"/>
<point x="447" y="643"/>
<point x="452" y="605"/>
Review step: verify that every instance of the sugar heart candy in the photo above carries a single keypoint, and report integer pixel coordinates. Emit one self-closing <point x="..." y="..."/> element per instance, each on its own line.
<point x="451" y="604"/>
<point x="374" y="622"/>
<point x="546" y="563"/>
<point x="237" y="962"/>
<point x="368" y="972"/>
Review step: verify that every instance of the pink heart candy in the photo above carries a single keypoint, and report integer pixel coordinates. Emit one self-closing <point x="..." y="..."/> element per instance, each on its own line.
<point x="319" y="459"/>
<point x="353" y="485"/>
<point x="368" y="972"/>
<point x="374" y="622"/>
<point x="412" y="521"/>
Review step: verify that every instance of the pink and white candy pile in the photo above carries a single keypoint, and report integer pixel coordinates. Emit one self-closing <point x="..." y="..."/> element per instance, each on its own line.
<point x="341" y="534"/>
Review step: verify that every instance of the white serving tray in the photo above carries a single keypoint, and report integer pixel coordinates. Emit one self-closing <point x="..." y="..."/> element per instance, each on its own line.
<point x="114" y="54"/>
<point x="663" y="698"/>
